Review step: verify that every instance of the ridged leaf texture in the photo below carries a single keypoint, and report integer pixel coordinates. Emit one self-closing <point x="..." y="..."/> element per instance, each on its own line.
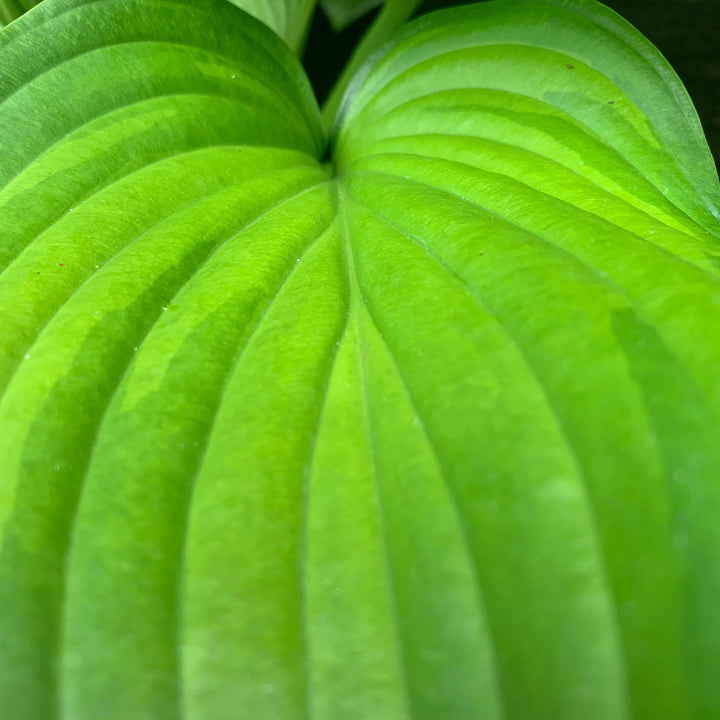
<point x="430" y="430"/>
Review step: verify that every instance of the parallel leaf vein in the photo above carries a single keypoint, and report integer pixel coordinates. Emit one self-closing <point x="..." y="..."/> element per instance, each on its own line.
<point x="549" y="403"/>
<point x="432" y="447"/>
<point x="107" y="404"/>
<point x="42" y="323"/>
<point x="356" y="292"/>
<point x="542" y="193"/>
<point x="208" y="435"/>
<point x="307" y="493"/>
<point x="533" y="153"/>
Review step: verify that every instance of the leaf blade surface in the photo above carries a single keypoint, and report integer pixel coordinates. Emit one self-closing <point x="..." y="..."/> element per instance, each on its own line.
<point x="436" y="437"/>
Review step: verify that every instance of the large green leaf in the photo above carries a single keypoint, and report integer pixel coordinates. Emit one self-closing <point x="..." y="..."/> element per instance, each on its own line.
<point x="433" y="434"/>
<point x="288" y="18"/>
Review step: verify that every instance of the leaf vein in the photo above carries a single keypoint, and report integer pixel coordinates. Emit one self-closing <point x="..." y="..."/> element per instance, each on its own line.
<point x="73" y="522"/>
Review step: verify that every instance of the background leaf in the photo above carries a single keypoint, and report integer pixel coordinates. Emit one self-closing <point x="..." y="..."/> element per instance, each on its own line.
<point x="13" y="9"/>
<point x="342" y="13"/>
<point x="391" y="16"/>
<point x="435" y="437"/>
<point x="288" y="18"/>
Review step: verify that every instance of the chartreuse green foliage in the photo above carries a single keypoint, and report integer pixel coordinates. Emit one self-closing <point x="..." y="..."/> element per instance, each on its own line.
<point x="428" y="431"/>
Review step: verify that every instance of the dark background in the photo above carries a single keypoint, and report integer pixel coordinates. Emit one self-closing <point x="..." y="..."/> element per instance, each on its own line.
<point x="687" y="33"/>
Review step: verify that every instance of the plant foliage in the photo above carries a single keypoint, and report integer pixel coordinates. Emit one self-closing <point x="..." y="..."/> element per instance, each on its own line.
<point x="429" y="429"/>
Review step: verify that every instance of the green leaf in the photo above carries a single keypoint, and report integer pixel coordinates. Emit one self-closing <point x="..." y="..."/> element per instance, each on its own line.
<point x="342" y="13"/>
<point x="434" y="434"/>
<point x="534" y="175"/>
<point x="12" y="9"/>
<point x="287" y="18"/>
<point x="391" y="16"/>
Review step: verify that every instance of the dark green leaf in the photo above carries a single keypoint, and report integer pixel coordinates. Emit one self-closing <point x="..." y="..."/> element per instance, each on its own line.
<point x="342" y="13"/>
<point x="12" y="9"/>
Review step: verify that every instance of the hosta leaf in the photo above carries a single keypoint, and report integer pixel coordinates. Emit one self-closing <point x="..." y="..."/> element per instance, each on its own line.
<point x="154" y="176"/>
<point x="432" y="435"/>
<point x="391" y="16"/>
<point x="12" y="9"/>
<point x="288" y="18"/>
<point x="551" y="190"/>
<point x="343" y="12"/>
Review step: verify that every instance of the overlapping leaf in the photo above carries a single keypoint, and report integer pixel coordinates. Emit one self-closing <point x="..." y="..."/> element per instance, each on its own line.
<point x="434" y="436"/>
<point x="12" y="9"/>
<point x="288" y="18"/>
<point x="343" y="12"/>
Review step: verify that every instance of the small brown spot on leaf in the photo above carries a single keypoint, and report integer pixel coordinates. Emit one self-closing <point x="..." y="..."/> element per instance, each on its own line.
<point x="570" y="67"/>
